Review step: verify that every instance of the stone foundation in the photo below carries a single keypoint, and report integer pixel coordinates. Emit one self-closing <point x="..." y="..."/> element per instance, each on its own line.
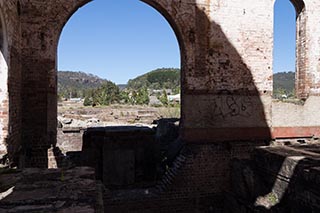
<point x="277" y="179"/>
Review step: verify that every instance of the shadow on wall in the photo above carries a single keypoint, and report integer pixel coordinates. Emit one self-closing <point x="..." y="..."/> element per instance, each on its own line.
<point x="221" y="100"/>
<point x="278" y="179"/>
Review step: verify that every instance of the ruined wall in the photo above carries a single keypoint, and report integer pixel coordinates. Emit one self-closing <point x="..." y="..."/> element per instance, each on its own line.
<point x="301" y="119"/>
<point x="301" y="54"/>
<point x="41" y="23"/>
<point x="70" y="140"/>
<point x="312" y="41"/>
<point x="10" y="79"/>
<point x="228" y="84"/>
<point x="226" y="67"/>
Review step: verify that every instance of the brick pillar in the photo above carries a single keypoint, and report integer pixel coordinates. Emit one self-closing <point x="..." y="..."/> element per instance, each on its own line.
<point x="229" y="81"/>
<point x="41" y="24"/>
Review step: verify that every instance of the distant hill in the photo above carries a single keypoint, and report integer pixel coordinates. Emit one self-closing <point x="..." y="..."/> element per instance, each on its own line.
<point x="122" y="86"/>
<point x="164" y="78"/>
<point x="77" y="83"/>
<point x="284" y="80"/>
<point x="283" y="83"/>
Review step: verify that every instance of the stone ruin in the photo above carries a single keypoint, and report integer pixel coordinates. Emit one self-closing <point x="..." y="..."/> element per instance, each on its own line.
<point x="238" y="150"/>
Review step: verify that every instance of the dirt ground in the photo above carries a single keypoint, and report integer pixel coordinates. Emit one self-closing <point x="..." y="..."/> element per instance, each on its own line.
<point x="79" y="115"/>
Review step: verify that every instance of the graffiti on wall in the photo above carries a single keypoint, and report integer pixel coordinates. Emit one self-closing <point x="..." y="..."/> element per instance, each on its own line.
<point x="229" y="106"/>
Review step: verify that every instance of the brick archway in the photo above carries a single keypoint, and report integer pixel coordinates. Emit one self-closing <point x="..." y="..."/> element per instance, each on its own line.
<point x="173" y="21"/>
<point x="301" y="91"/>
<point x="176" y="22"/>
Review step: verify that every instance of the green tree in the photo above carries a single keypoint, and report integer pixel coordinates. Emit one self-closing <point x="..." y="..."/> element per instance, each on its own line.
<point x="108" y="93"/>
<point x="164" y="98"/>
<point x="88" y="101"/>
<point x="142" y="97"/>
<point x="124" y="97"/>
<point x="134" y="95"/>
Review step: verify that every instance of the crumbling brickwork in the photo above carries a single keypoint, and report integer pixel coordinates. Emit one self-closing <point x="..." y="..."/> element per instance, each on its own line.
<point x="226" y="71"/>
<point x="10" y="75"/>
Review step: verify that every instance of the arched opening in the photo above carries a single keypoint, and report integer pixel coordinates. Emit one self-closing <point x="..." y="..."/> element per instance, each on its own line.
<point x="289" y="47"/>
<point x="105" y="45"/>
<point x="3" y="88"/>
<point x="284" y="52"/>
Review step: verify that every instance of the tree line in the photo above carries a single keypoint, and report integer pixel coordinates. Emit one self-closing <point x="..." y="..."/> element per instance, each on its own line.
<point x="109" y="93"/>
<point x="96" y="91"/>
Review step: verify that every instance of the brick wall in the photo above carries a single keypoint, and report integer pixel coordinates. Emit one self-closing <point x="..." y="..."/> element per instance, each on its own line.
<point x="226" y="69"/>
<point x="39" y="94"/>
<point x="226" y="54"/>
<point x="291" y="120"/>
<point x="195" y="182"/>
<point x="69" y="142"/>
<point x="10" y="74"/>
<point x="301" y="55"/>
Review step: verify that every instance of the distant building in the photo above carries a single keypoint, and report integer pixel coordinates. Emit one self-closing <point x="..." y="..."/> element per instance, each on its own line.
<point x="75" y="99"/>
<point x="160" y="91"/>
<point x="174" y="98"/>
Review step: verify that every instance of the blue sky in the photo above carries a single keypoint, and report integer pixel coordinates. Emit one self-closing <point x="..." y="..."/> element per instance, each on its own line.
<point x="284" y="36"/>
<point x="121" y="39"/>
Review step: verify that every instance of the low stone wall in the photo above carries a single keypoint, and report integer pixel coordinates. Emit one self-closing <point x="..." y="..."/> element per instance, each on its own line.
<point x="70" y="139"/>
<point x="196" y="182"/>
<point x="277" y="179"/>
<point x="122" y="156"/>
<point x="68" y="148"/>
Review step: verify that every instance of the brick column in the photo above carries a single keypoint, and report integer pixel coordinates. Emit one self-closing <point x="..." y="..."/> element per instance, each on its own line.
<point x="42" y="22"/>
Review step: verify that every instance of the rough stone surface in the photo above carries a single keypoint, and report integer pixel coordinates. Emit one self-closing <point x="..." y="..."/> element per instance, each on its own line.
<point x="277" y="179"/>
<point x="122" y="156"/>
<point x="41" y="190"/>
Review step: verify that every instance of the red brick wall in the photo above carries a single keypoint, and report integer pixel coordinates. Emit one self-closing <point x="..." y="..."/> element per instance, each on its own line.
<point x="39" y="75"/>
<point x="196" y="184"/>
<point x="10" y="108"/>
<point x="301" y="56"/>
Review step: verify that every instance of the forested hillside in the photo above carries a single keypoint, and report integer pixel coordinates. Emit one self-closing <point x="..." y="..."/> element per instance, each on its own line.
<point x="75" y="84"/>
<point x="97" y="91"/>
<point x="164" y="78"/>
<point x="283" y="84"/>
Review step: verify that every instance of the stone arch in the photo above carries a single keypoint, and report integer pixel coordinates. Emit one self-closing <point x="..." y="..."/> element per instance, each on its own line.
<point x="159" y="6"/>
<point x="4" y="119"/>
<point x="171" y="17"/>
